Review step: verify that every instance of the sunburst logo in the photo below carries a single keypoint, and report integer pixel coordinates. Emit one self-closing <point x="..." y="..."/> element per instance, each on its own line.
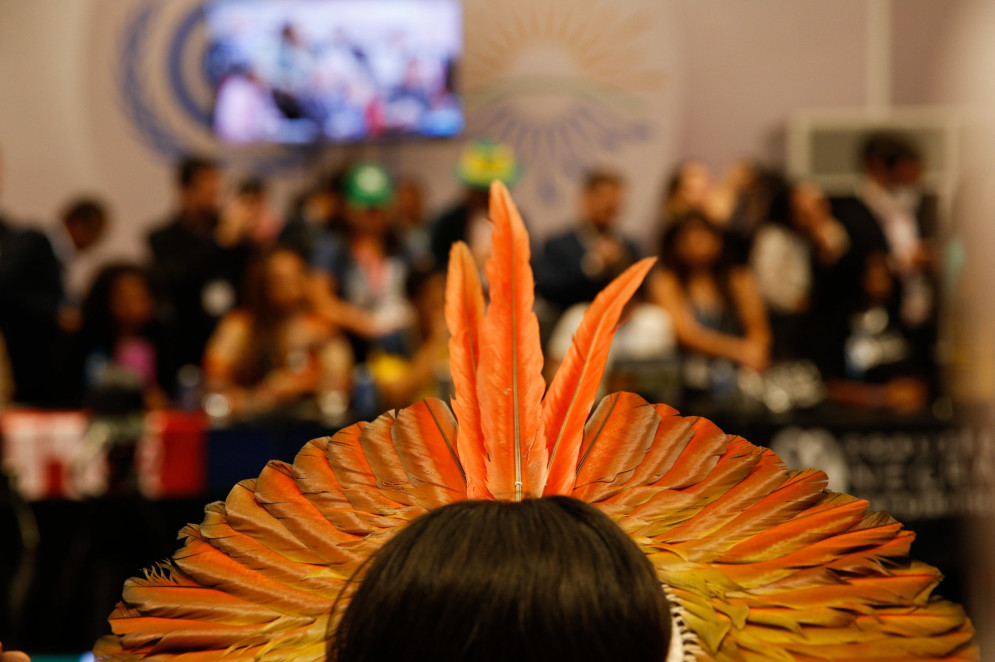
<point x="564" y="88"/>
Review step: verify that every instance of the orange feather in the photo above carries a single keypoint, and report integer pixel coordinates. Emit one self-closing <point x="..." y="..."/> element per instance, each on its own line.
<point x="464" y="316"/>
<point x="568" y="402"/>
<point x="511" y="386"/>
<point x="425" y="438"/>
<point x="616" y="441"/>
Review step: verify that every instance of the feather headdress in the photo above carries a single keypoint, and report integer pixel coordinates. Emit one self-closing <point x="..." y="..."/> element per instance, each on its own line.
<point x="759" y="562"/>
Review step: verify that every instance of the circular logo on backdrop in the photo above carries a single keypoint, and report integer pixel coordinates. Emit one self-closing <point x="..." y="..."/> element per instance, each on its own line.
<point x="166" y="90"/>
<point x="565" y="88"/>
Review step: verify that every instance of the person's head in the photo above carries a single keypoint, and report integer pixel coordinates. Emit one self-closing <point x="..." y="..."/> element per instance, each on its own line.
<point x="277" y="284"/>
<point x="253" y="191"/>
<point x="891" y="160"/>
<point x="603" y="196"/>
<point x="199" y="183"/>
<point x="324" y="203"/>
<point x="369" y="194"/>
<point x="808" y="204"/>
<point x="85" y="221"/>
<point x="688" y="188"/>
<point x="693" y="244"/>
<point x="120" y="302"/>
<point x="537" y="580"/>
<point x="290" y="35"/>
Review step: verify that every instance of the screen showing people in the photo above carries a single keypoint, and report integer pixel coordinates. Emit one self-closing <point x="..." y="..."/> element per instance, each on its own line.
<point x="300" y="71"/>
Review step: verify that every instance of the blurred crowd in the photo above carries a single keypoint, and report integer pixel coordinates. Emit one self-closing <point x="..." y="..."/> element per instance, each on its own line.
<point x="766" y="295"/>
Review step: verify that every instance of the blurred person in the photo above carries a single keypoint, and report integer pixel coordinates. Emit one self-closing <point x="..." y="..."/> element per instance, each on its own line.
<point x="422" y="370"/>
<point x="251" y="203"/>
<point x="889" y="213"/>
<point x="244" y="109"/>
<point x="276" y="352"/>
<point x="689" y="188"/>
<point x="730" y="203"/>
<point x="319" y="212"/>
<point x="199" y="259"/>
<point x="747" y="193"/>
<point x="83" y="224"/>
<point x="118" y="338"/>
<point x="410" y="221"/>
<point x="31" y="295"/>
<point x="360" y="276"/>
<point x="481" y="162"/>
<point x="877" y="363"/>
<point x="793" y="254"/>
<point x="718" y="315"/>
<point x="577" y="264"/>
<point x="408" y="102"/>
<point x="291" y="72"/>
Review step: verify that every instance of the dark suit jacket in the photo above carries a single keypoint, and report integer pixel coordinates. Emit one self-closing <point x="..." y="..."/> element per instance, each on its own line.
<point x="30" y="292"/>
<point x="184" y="263"/>
<point x="560" y="275"/>
<point x="448" y="228"/>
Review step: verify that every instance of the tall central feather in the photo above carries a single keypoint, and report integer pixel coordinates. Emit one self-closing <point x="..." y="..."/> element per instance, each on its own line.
<point x="510" y="384"/>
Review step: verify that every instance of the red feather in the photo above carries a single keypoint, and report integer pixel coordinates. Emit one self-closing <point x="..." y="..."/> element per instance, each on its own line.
<point x="567" y="404"/>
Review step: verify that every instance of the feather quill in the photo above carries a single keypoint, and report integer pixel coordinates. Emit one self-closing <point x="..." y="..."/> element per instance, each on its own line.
<point x="571" y="394"/>
<point x="511" y="386"/>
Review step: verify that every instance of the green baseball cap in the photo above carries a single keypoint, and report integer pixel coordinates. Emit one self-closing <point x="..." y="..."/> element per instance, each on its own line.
<point x="483" y="161"/>
<point x="368" y="185"/>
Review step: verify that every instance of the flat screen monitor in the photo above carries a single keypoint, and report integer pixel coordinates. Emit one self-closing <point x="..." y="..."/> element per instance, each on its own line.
<point x="305" y="71"/>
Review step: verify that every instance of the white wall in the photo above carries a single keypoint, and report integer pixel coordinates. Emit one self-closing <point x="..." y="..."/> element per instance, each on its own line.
<point x="750" y="63"/>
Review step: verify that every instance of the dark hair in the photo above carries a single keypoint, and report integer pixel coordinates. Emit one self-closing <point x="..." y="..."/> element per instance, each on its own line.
<point x="259" y="354"/>
<point x="99" y="328"/>
<point x="676" y="179"/>
<point x="418" y="277"/>
<point x="252" y="186"/>
<point x="595" y="178"/>
<point x="538" y="580"/>
<point x="670" y="260"/>
<point x="190" y="167"/>
<point x="887" y="148"/>
<point x="85" y="210"/>
<point x="779" y="207"/>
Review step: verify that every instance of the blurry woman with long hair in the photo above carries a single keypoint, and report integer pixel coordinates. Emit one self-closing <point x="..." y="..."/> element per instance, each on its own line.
<point x="718" y="315"/>
<point x="119" y="342"/>
<point x="276" y="352"/>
